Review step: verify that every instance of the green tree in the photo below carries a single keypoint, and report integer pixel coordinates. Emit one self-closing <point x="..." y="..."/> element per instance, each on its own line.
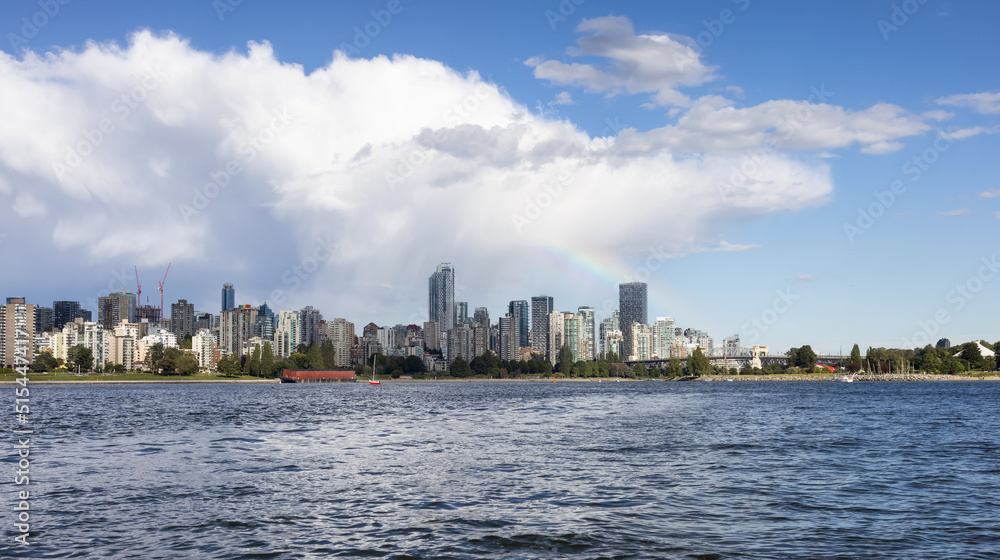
<point x="972" y="355"/>
<point x="300" y="360"/>
<point x="187" y="364"/>
<point x="698" y="363"/>
<point x="154" y="356"/>
<point x="612" y="358"/>
<point x="254" y="360"/>
<point x="460" y="368"/>
<point x="413" y="364"/>
<point x="44" y="361"/>
<point x="803" y="357"/>
<point x="854" y="363"/>
<point x="228" y="366"/>
<point x="674" y="368"/>
<point x="168" y="364"/>
<point x="565" y="362"/>
<point x="80" y="357"/>
<point x="267" y="361"/>
<point x="314" y="357"/>
<point x="186" y="342"/>
<point x="329" y="355"/>
<point x="639" y="371"/>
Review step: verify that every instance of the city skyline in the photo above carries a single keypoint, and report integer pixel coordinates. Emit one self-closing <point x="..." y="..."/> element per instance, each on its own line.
<point x="789" y="195"/>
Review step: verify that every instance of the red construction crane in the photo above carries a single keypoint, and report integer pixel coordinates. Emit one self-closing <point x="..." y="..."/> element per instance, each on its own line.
<point x="161" y="289"/>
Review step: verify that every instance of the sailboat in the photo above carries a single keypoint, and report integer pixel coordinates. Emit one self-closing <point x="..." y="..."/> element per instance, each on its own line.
<point x="373" y="380"/>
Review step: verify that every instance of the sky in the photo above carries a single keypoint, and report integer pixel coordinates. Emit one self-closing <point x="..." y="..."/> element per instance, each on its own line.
<point x="793" y="172"/>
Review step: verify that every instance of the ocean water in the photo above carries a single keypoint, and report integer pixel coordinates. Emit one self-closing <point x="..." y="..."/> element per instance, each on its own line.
<point x="511" y="470"/>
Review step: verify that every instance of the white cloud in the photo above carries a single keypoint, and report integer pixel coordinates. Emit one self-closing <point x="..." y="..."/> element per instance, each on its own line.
<point x="987" y="103"/>
<point x="805" y="278"/>
<point x="992" y="193"/>
<point x="963" y="133"/>
<point x="656" y="63"/>
<point x="955" y="212"/>
<point x="564" y="98"/>
<point x="483" y="183"/>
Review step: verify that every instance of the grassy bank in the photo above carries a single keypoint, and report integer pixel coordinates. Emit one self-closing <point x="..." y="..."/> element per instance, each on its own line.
<point x="132" y="377"/>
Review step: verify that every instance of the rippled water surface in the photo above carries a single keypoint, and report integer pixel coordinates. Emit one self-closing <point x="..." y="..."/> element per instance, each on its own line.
<point x="513" y="470"/>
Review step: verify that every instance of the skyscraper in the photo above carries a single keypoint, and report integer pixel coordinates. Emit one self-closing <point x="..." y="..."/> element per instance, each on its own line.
<point x="236" y="327"/>
<point x="519" y="311"/>
<point x="541" y="306"/>
<point x="228" y="296"/>
<point x="632" y="306"/>
<point x="310" y="318"/>
<point x="182" y="319"/>
<point x="461" y="312"/>
<point x="115" y="308"/>
<point x="17" y="333"/>
<point x="587" y="333"/>
<point x="64" y="312"/>
<point x="441" y="297"/>
<point x="663" y="337"/>
<point x="508" y="338"/>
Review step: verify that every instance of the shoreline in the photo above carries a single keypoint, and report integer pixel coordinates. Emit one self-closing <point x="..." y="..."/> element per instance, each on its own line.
<point x="742" y="378"/>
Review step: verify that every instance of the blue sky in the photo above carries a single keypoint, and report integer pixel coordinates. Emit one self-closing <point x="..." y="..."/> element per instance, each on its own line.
<point x="636" y="114"/>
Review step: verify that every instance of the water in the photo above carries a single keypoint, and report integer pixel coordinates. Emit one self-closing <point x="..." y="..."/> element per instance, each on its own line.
<point x="513" y="470"/>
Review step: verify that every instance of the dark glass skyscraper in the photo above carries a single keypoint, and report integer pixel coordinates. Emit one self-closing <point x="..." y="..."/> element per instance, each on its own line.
<point x="64" y="312"/>
<point x="441" y="297"/>
<point x="632" y="309"/>
<point x="519" y="311"/>
<point x="541" y="306"/>
<point x="228" y="296"/>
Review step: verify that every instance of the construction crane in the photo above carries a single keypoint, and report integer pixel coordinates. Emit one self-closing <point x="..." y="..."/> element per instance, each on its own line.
<point x="161" y="289"/>
<point x="138" y="289"/>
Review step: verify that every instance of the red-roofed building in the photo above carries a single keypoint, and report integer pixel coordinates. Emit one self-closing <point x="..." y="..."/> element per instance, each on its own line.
<point x="305" y="376"/>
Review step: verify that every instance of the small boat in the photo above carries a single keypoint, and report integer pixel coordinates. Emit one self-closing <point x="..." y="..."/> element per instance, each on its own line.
<point x="845" y="379"/>
<point x="373" y="380"/>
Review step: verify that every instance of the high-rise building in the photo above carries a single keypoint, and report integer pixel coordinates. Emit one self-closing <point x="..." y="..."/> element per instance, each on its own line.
<point x="432" y="335"/>
<point x="288" y="335"/>
<point x="642" y="342"/>
<point x="64" y="312"/>
<point x="460" y="342"/>
<point x="340" y="332"/>
<point x="17" y="333"/>
<point x="663" y="337"/>
<point x="115" y="308"/>
<point x="541" y="307"/>
<point x="509" y="338"/>
<point x="228" y="297"/>
<point x="632" y="307"/>
<point x="587" y="333"/>
<point x="264" y="325"/>
<point x="481" y="317"/>
<point x="310" y="319"/>
<point x="441" y="296"/>
<point x="204" y="345"/>
<point x="461" y="312"/>
<point x="556" y="323"/>
<point x="236" y="328"/>
<point x="572" y="327"/>
<point x="609" y="325"/>
<point x="44" y="319"/>
<point x="182" y="319"/>
<point x="520" y="311"/>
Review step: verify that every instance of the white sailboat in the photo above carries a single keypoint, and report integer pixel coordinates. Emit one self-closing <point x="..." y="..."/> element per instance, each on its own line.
<point x="373" y="380"/>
